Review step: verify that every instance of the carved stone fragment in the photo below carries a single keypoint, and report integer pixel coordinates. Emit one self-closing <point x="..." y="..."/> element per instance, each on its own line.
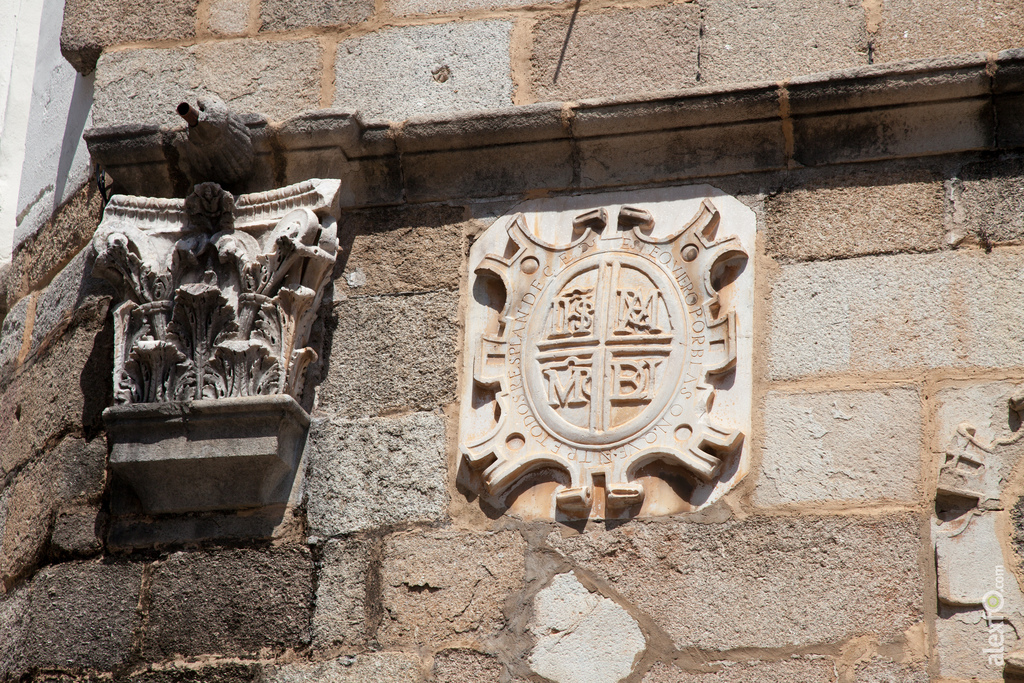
<point x="608" y="342"/>
<point x="211" y="340"/>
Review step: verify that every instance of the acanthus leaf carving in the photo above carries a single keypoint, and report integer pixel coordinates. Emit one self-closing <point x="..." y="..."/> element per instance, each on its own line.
<point x="215" y="307"/>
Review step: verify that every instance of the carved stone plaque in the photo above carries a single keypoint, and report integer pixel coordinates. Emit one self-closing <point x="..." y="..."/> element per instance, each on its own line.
<point x="608" y="353"/>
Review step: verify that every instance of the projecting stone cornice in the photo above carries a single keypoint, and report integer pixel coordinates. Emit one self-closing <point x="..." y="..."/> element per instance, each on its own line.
<point x="906" y="109"/>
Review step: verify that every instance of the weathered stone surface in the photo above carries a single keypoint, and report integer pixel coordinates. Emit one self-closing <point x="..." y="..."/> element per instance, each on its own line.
<point x="372" y="667"/>
<point x="230" y="602"/>
<point x="229" y="16"/>
<point x="841" y="445"/>
<point x="74" y="531"/>
<point x="92" y="25"/>
<point x="960" y="638"/>
<point x="376" y="473"/>
<point x="969" y="564"/>
<point x="221" y="672"/>
<point x="276" y="78"/>
<point x="571" y="625"/>
<point x="82" y="616"/>
<point x="392" y="353"/>
<point x="281" y="15"/>
<point x="390" y="251"/>
<point x="793" y="670"/>
<point x="852" y="214"/>
<point x="55" y="307"/>
<point x="930" y="28"/>
<point x="580" y="55"/>
<point x="12" y="336"/>
<point x="441" y="585"/>
<point x="745" y="40"/>
<point x="752" y="583"/>
<point x="14" y="615"/>
<point x="988" y="202"/>
<point x="39" y="257"/>
<point x="60" y="392"/>
<point x="466" y="666"/>
<point x="345" y="608"/>
<point x="881" y="670"/>
<point x="74" y="469"/>
<point x="400" y="72"/>
<point x="410" y="7"/>
<point x="898" y="312"/>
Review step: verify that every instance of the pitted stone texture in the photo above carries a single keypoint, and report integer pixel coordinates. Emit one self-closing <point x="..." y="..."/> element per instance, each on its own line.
<point x="960" y="637"/>
<point x="443" y="585"/>
<point x="793" y="670"/>
<point x="913" y="29"/>
<point x="841" y="445"/>
<point x="466" y="666"/>
<point x="881" y="670"/>
<point x="180" y="672"/>
<point x="410" y="7"/>
<point x="92" y="25"/>
<point x="229" y="602"/>
<point x="12" y="336"/>
<point x="74" y="531"/>
<point x="56" y="305"/>
<point x="14" y="616"/>
<point x="390" y="251"/>
<point x="376" y="473"/>
<point x="74" y="469"/>
<point x="752" y="583"/>
<point x="391" y="354"/>
<point x="282" y="15"/>
<point x="229" y="16"/>
<point x="989" y="201"/>
<point x="854" y="214"/>
<point x="581" y="55"/>
<point x="276" y="78"/>
<point x="372" y="667"/>
<point x="343" y="608"/>
<point x="82" y="616"/>
<point x="572" y="626"/>
<point x="58" y="392"/>
<point x="396" y="73"/>
<point x="951" y="309"/>
<point x="746" y="40"/>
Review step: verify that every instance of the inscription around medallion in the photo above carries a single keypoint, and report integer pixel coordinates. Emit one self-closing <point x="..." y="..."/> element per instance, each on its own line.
<point x="599" y="342"/>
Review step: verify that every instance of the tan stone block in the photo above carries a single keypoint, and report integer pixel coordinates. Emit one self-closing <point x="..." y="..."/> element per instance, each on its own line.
<point x="582" y="54"/>
<point x="391" y="354"/>
<point x="92" y="25"/>
<point x="370" y="667"/>
<point x="229" y="16"/>
<point x="882" y="670"/>
<point x="793" y="670"/>
<point x="442" y="585"/>
<point x="275" y="78"/>
<point x="389" y="251"/>
<point x="931" y="28"/>
<point x="750" y="40"/>
<point x="841" y="445"/>
<point x="763" y="582"/>
<point x="876" y="209"/>
<point x="412" y="7"/>
<point x="343" y="612"/>
<point x="283" y="15"/>
<point x="466" y="666"/>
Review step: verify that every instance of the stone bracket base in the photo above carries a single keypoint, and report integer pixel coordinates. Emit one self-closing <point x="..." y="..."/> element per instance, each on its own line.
<point x="224" y="454"/>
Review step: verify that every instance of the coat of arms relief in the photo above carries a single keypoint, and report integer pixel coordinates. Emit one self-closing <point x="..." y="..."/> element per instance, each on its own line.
<point x="608" y="354"/>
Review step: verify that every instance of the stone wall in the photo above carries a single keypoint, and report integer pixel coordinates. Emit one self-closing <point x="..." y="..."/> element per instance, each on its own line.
<point x="887" y="317"/>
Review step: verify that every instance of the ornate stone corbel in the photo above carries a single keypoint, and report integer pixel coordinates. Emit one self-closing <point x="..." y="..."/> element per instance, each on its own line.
<point x="219" y="298"/>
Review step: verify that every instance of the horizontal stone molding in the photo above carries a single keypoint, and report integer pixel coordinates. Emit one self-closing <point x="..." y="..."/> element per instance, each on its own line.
<point x="906" y="109"/>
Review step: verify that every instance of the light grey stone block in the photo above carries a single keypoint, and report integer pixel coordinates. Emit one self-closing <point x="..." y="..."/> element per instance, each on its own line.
<point x="960" y="638"/>
<point x="898" y="312"/>
<point x="748" y="40"/>
<point x="410" y="7"/>
<point x="216" y="454"/>
<point x="375" y="473"/>
<point x="763" y="582"/>
<point x="275" y="78"/>
<point x="841" y="445"/>
<point x="792" y="670"/>
<point x="371" y="667"/>
<point x="397" y="73"/>
<point x="283" y="15"/>
<point x="229" y="16"/>
<point x="343" y="608"/>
